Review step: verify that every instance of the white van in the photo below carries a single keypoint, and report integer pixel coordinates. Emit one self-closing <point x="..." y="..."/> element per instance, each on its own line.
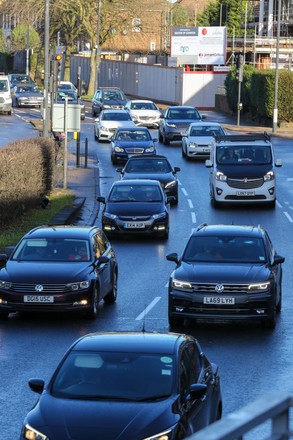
<point x="5" y="95"/>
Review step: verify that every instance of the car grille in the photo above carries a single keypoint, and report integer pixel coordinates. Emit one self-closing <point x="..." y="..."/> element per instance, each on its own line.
<point x="147" y="118"/>
<point x="133" y="219"/>
<point x="182" y="125"/>
<point x="245" y="183"/>
<point x="117" y="107"/>
<point x="47" y="288"/>
<point x="228" y="288"/>
<point x="134" y="150"/>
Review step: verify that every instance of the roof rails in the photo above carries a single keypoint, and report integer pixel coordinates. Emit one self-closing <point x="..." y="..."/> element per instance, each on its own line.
<point x="243" y="137"/>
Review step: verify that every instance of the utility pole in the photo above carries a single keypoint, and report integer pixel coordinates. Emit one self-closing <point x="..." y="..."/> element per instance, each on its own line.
<point x="275" y="115"/>
<point x="46" y="116"/>
<point x="27" y="67"/>
<point x="98" y="45"/>
<point x="239" y="77"/>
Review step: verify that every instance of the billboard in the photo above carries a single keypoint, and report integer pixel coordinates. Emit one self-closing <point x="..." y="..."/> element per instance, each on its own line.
<point x="199" y="45"/>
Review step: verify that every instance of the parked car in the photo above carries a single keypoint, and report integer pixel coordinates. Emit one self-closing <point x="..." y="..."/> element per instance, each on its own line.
<point x="226" y="272"/>
<point x="108" y="121"/>
<point x="243" y="170"/>
<point x="73" y="99"/>
<point x="129" y="141"/>
<point x="20" y="78"/>
<point x="144" y="113"/>
<point x="176" y="120"/>
<point x="153" y="167"/>
<point x="126" y="386"/>
<point x="196" y="142"/>
<point x="67" y="85"/>
<point x="26" y="95"/>
<point x="136" y="207"/>
<point x="59" y="269"/>
<point x="108" y="98"/>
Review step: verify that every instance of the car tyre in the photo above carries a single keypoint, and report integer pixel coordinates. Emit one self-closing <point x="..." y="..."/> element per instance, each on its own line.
<point x="114" y="160"/>
<point x="92" y="312"/>
<point x="165" y="140"/>
<point x="270" y="322"/>
<point x="112" y="295"/>
<point x="160" y="136"/>
<point x="93" y="113"/>
<point x="272" y="204"/>
<point x="183" y="152"/>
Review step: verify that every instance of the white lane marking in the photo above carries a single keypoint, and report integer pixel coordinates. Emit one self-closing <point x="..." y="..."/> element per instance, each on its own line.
<point x="167" y="284"/>
<point x="193" y="217"/>
<point x="179" y="182"/>
<point x="190" y="203"/>
<point x="289" y="179"/>
<point x="184" y="192"/>
<point x="148" y="308"/>
<point x="279" y="204"/>
<point x="288" y="217"/>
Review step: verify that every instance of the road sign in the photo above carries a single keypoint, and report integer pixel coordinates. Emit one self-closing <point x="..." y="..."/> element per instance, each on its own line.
<point x="73" y="117"/>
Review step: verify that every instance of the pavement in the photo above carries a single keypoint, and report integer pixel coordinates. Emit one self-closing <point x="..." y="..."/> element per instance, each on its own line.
<point x="84" y="181"/>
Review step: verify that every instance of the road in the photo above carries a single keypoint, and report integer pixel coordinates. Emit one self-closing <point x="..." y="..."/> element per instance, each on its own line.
<point x="252" y="360"/>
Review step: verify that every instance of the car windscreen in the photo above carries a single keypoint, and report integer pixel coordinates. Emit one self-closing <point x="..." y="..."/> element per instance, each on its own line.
<point x="27" y="89"/>
<point x="133" y="135"/>
<point x="183" y="114"/>
<point x="143" y="106"/>
<point x="206" y="131"/>
<point x="135" y="193"/>
<point x="116" y="116"/>
<point x="222" y="249"/>
<point x="3" y="85"/>
<point x="114" y="375"/>
<point x="53" y="250"/>
<point x="109" y="96"/>
<point x="152" y="166"/>
<point x="244" y="155"/>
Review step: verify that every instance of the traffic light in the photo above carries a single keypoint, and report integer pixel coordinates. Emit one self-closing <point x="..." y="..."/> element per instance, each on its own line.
<point x="239" y="67"/>
<point x="58" y="59"/>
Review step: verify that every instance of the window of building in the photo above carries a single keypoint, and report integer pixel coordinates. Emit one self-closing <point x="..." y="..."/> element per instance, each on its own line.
<point x="153" y="45"/>
<point x="136" y="23"/>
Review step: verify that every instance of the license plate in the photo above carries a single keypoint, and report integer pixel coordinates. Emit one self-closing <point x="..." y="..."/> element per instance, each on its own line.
<point x="38" y="299"/>
<point x="218" y="300"/>
<point x="134" y="225"/>
<point x="245" y="193"/>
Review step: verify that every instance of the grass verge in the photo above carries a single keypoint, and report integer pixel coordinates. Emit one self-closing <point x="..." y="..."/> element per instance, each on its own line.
<point x="11" y="234"/>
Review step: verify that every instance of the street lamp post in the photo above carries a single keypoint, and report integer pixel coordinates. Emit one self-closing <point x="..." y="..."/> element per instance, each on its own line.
<point x="46" y="72"/>
<point x="98" y="46"/>
<point x="275" y="115"/>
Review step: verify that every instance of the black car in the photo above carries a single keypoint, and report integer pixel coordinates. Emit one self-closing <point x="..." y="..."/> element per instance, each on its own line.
<point x="153" y="167"/>
<point x="127" y="386"/>
<point x="226" y="272"/>
<point x="176" y="120"/>
<point x="129" y="141"/>
<point x="108" y="98"/>
<point x="72" y="99"/>
<point x="136" y="207"/>
<point x="59" y="268"/>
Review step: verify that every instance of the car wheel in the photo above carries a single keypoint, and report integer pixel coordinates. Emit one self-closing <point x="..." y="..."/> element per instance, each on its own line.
<point x="165" y="140"/>
<point x="279" y="305"/>
<point x="9" y="112"/>
<point x="114" y="160"/>
<point x="95" y="134"/>
<point x="93" y="113"/>
<point x="183" y="152"/>
<point x="112" y="295"/>
<point x="160" y="136"/>
<point x="272" y="204"/>
<point x="82" y="118"/>
<point x="92" y="312"/>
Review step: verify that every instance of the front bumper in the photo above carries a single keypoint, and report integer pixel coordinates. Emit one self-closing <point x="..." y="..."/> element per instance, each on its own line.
<point x="198" y="152"/>
<point x="29" y="102"/>
<point x="246" y="306"/>
<point x="147" y="122"/>
<point x="123" y="157"/>
<point x="157" y="227"/>
<point x="226" y="194"/>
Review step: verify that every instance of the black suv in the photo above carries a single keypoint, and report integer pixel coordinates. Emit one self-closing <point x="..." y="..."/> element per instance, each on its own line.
<point x="108" y="98"/>
<point x="175" y="121"/>
<point x="59" y="268"/>
<point x="226" y="272"/>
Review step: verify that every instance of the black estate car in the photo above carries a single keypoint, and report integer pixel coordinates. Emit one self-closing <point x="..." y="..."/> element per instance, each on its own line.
<point x="176" y="120"/>
<point x="226" y="272"/>
<point x="136" y="207"/>
<point x="127" y="386"/>
<point x="153" y="167"/>
<point x="108" y="98"/>
<point x="59" y="268"/>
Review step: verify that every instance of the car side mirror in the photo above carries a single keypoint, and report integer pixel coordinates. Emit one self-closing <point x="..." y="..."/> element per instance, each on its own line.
<point x="173" y="257"/>
<point x="101" y="199"/>
<point x="278" y="259"/>
<point x="177" y="169"/>
<point x="278" y="163"/>
<point x="155" y="140"/>
<point x="36" y="385"/>
<point x="203" y="116"/>
<point x="197" y="390"/>
<point x="102" y="260"/>
<point x="119" y="170"/>
<point x="208" y="163"/>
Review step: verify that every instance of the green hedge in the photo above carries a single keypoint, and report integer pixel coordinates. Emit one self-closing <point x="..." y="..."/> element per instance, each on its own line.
<point x="258" y="93"/>
<point x="27" y="173"/>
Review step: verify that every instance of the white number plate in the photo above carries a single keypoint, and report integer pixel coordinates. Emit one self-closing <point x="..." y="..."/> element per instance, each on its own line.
<point x="218" y="300"/>
<point x="38" y="299"/>
<point x="245" y="193"/>
<point x="134" y="225"/>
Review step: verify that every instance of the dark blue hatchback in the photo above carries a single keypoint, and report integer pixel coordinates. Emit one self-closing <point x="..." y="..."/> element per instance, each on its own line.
<point x="128" y="142"/>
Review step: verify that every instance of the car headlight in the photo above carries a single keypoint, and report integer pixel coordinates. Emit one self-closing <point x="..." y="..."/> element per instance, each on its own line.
<point x="161" y="215"/>
<point x="108" y="215"/>
<point x="170" y="184"/>
<point x="5" y="285"/>
<point x="104" y="128"/>
<point x="118" y="149"/>
<point x="81" y="285"/>
<point x="106" y="106"/>
<point x="192" y="145"/>
<point x="269" y="176"/>
<point x="170" y="124"/>
<point x="181" y="285"/>
<point x="30" y="433"/>
<point x="134" y="117"/>
<point x="166" y="435"/>
<point x="259" y="286"/>
<point x="150" y="150"/>
<point x="220" y="176"/>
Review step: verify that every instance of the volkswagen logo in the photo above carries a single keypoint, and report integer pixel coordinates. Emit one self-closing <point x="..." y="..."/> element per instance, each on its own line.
<point x="39" y="288"/>
<point x="219" y="288"/>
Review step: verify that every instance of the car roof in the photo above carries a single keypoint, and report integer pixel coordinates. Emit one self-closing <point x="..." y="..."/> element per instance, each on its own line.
<point x="182" y="107"/>
<point x="114" y="110"/>
<point x="141" y="100"/>
<point x="149" y="156"/>
<point x="204" y="124"/>
<point x="239" y="230"/>
<point x="132" y="342"/>
<point x="136" y="182"/>
<point x="61" y="231"/>
<point x="132" y="128"/>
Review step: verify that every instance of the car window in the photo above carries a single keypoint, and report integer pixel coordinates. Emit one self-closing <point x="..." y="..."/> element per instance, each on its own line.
<point x="148" y="166"/>
<point x="112" y="95"/>
<point x="143" y="106"/>
<point x="3" y="86"/>
<point x="100" y="245"/>
<point x="116" y="116"/>
<point x="244" y="155"/>
<point x="114" y="375"/>
<point x="137" y="193"/>
<point x="183" y="114"/>
<point x="223" y="249"/>
<point x="187" y="374"/>
<point x="206" y="131"/>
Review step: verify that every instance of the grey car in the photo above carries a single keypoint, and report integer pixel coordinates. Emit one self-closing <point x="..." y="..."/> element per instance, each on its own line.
<point x="176" y="120"/>
<point x="26" y="95"/>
